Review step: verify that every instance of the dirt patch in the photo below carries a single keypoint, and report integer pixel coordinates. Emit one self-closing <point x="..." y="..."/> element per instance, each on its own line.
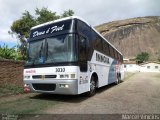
<point x="140" y="94"/>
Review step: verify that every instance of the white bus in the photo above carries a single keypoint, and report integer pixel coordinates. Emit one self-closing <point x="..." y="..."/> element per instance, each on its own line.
<point x="68" y="56"/>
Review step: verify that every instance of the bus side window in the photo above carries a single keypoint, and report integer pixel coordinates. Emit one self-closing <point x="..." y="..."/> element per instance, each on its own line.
<point x="82" y="48"/>
<point x="83" y="53"/>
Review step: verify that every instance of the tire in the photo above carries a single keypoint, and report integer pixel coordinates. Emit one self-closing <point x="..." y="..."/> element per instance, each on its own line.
<point x="119" y="77"/>
<point x="117" y="81"/>
<point x="92" y="91"/>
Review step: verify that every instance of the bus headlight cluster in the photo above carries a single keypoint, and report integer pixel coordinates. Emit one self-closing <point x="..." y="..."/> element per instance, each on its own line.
<point x="65" y="76"/>
<point x="26" y="77"/>
<point x="63" y="86"/>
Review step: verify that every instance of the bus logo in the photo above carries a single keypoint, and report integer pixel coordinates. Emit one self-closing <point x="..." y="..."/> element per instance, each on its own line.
<point x="43" y="77"/>
<point x="30" y="71"/>
<point x="48" y="31"/>
<point x="102" y="58"/>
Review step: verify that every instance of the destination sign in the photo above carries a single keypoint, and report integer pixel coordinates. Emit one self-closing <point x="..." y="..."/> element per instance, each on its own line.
<point x="50" y="29"/>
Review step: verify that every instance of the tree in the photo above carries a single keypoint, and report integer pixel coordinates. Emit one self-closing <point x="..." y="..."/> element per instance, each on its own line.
<point x="67" y="13"/>
<point x="45" y="15"/>
<point x="142" y="57"/>
<point x="22" y="26"/>
<point x="9" y="53"/>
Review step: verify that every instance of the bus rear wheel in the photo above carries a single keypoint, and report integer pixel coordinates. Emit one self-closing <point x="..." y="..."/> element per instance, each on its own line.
<point x="92" y="87"/>
<point x="119" y="77"/>
<point x="118" y="80"/>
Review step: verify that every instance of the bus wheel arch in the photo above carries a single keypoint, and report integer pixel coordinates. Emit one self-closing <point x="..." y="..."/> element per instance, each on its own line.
<point x="93" y="85"/>
<point x="95" y="78"/>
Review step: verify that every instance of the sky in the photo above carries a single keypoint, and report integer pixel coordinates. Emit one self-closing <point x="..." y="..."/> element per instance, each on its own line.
<point x="94" y="12"/>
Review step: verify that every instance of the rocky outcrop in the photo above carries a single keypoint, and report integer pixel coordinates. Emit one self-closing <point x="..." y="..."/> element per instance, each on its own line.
<point x="133" y="36"/>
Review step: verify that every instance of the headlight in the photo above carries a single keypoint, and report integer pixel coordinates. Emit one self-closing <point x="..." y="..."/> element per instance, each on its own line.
<point x="73" y="76"/>
<point x="26" y="77"/>
<point x="64" y="76"/>
<point x="63" y="85"/>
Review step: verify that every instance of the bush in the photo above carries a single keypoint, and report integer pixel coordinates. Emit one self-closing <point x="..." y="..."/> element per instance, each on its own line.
<point x="10" y="89"/>
<point x="9" y="53"/>
<point x="142" y="57"/>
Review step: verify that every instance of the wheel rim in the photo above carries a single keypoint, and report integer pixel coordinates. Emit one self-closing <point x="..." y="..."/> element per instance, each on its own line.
<point x="117" y="81"/>
<point x="92" y="86"/>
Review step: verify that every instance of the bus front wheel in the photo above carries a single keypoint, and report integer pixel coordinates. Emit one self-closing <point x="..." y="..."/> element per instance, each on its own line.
<point x="92" y="87"/>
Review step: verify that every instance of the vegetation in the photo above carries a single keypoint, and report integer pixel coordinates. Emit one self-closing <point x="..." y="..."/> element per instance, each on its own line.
<point x="22" y="26"/>
<point x="142" y="57"/>
<point x="159" y="60"/>
<point x="9" y="53"/>
<point x="10" y="89"/>
<point x="26" y="105"/>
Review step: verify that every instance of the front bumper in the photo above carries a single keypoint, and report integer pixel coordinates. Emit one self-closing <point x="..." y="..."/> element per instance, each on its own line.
<point x="72" y="88"/>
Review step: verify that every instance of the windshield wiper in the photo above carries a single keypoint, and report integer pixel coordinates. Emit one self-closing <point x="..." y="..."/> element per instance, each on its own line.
<point x="33" y="62"/>
<point x="48" y="56"/>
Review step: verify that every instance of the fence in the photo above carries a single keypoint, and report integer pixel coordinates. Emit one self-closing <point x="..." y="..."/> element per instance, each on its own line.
<point x="11" y="72"/>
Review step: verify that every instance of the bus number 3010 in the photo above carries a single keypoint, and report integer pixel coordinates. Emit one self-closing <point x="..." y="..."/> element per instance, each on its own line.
<point x="60" y="69"/>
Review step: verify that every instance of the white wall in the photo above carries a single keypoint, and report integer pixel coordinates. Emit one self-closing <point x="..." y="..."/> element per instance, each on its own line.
<point x="131" y="68"/>
<point x="150" y="67"/>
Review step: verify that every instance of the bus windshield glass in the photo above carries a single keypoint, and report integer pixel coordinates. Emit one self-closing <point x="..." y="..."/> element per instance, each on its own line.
<point x="52" y="50"/>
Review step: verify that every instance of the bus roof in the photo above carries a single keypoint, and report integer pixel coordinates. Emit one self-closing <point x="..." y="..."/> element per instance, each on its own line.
<point x="59" y="20"/>
<point x="106" y="40"/>
<point x="70" y="18"/>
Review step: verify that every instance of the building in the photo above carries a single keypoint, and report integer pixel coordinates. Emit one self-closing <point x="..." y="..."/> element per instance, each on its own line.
<point x="149" y="67"/>
<point x="132" y="66"/>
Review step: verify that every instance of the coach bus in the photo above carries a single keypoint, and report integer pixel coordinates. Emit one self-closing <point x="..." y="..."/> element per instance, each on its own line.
<point x="68" y="56"/>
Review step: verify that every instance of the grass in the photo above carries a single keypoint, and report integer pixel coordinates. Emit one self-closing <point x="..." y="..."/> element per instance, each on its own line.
<point x="25" y="106"/>
<point x="9" y="89"/>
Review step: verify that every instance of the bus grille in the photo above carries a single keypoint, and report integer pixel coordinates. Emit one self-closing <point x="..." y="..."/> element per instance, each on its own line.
<point x="43" y="76"/>
<point x="44" y="87"/>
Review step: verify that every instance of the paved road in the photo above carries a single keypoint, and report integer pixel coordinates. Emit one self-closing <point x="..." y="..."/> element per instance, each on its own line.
<point x="139" y="94"/>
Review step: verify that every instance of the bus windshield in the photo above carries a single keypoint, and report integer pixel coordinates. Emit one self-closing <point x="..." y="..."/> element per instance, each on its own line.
<point x="52" y="50"/>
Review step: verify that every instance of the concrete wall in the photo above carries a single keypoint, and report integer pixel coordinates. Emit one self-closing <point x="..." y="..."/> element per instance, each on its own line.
<point x="150" y="67"/>
<point x="131" y="68"/>
<point x="11" y="72"/>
